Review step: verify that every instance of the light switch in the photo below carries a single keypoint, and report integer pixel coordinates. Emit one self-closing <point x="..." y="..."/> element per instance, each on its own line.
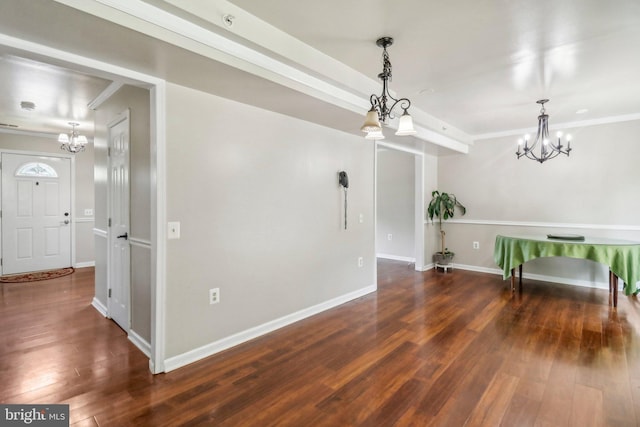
<point x="173" y="230"/>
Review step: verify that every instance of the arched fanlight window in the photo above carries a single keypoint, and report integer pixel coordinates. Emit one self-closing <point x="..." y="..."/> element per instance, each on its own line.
<point x="40" y="170"/>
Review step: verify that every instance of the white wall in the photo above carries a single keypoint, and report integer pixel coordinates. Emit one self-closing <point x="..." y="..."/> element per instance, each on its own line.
<point x="395" y="204"/>
<point x="84" y="196"/>
<point x="260" y="209"/>
<point x="596" y="187"/>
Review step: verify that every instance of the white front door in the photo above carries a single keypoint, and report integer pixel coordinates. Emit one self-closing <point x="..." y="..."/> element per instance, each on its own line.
<point x="119" y="250"/>
<point x="36" y="213"/>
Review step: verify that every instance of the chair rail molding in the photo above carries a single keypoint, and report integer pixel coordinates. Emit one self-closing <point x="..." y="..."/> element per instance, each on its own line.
<point x="141" y="243"/>
<point x="100" y="233"/>
<point x="539" y="224"/>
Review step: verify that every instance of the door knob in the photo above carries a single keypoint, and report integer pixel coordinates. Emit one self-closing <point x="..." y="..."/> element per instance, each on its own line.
<point x="66" y="214"/>
<point x="124" y="236"/>
<point x="65" y="222"/>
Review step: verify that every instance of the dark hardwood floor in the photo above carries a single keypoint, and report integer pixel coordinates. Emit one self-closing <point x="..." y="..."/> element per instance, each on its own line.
<point x="427" y="349"/>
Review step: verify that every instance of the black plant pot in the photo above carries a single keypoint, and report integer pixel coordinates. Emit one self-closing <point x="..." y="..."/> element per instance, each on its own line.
<point x="443" y="258"/>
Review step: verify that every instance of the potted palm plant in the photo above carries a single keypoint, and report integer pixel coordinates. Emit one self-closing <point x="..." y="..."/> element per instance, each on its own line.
<point x="442" y="206"/>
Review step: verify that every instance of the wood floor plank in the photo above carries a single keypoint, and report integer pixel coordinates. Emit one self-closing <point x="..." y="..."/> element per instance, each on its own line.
<point x="587" y="407"/>
<point x="525" y="404"/>
<point x="555" y="408"/>
<point x="494" y="402"/>
<point x="427" y="349"/>
<point x="635" y="396"/>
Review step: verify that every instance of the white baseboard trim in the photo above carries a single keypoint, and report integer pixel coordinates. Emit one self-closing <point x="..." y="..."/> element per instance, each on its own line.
<point x="396" y="258"/>
<point x="85" y="264"/>
<point x="542" y="278"/>
<point x="428" y="266"/>
<point x="136" y="339"/>
<point x="140" y="342"/>
<point x="478" y="269"/>
<point x="102" y="309"/>
<point x="217" y="346"/>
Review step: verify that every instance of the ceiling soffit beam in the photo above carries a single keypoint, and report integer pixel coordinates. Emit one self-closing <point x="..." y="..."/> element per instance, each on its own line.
<point x="104" y="95"/>
<point x="259" y="32"/>
<point x="160" y="24"/>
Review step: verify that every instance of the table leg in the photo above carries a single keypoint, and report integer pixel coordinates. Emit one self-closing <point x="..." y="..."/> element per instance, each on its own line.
<point x="613" y="287"/>
<point x="520" y="277"/>
<point x="610" y="280"/>
<point x="513" y="280"/>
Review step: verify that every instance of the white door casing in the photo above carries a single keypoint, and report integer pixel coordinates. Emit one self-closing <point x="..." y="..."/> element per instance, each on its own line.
<point x="119" y="262"/>
<point x="36" y="212"/>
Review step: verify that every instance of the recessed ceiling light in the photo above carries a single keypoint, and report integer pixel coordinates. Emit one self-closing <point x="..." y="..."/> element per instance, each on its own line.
<point x="582" y="111"/>
<point x="428" y="90"/>
<point x="28" y="105"/>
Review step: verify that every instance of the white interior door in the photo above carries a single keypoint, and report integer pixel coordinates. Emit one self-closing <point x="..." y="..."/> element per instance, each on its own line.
<point x="36" y="213"/>
<point x="119" y="249"/>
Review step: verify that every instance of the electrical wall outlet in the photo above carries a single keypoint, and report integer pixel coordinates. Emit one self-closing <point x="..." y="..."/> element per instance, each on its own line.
<point x="214" y="296"/>
<point x="476" y="245"/>
<point x="173" y="230"/>
<point x="389" y="236"/>
<point x="360" y="262"/>
<point x="88" y="212"/>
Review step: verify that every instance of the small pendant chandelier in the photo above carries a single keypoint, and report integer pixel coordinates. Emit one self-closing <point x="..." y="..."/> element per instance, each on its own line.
<point x="72" y="142"/>
<point x="547" y="150"/>
<point x="380" y="112"/>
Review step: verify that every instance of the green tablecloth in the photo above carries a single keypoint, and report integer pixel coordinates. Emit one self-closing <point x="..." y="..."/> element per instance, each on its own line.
<point x="622" y="257"/>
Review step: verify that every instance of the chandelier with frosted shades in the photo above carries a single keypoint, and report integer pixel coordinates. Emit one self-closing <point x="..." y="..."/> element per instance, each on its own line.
<point x="380" y="112"/>
<point x="546" y="149"/>
<point x="72" y="141"/>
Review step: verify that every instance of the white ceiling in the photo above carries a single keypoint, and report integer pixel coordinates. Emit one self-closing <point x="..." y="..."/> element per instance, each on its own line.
<point x="60" y="96"/>
<point x="480" y="65"/>
<point x="472" y="68"/>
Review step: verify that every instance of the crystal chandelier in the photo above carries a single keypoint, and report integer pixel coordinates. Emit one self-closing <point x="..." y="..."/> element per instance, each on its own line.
<point x="380" y="112"/>
<point x="72" y="142"/>
<point x="547" y="150"/>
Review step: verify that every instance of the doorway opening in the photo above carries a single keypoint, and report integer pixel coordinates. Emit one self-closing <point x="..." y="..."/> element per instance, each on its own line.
<point x="155" y="176"/>
<point x="399" y="204"/>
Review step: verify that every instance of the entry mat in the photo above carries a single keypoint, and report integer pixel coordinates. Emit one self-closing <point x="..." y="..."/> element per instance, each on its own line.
<point x="37" y="275"/>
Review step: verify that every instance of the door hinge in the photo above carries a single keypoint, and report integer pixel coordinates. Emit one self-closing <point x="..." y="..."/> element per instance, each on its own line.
<point x="109" y="222"/>
<point x="109" y="293"/>
<point x="0" y="262"/>
<point x="109" y="152"/>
